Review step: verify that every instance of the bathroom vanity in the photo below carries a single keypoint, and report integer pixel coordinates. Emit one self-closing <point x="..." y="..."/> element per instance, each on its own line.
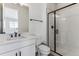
<point x="18" y="47"/>
<point x="17" y="17"/>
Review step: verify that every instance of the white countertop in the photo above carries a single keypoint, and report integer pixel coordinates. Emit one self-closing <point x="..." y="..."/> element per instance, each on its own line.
<point x="26" y="38"/>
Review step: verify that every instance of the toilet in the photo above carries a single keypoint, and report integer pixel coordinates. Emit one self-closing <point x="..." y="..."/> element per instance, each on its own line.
<point x="44" y="50"/>
<point x="41" y="47"/>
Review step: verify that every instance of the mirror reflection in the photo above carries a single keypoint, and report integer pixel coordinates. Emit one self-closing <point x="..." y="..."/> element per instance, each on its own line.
<point x="13" y="18"/>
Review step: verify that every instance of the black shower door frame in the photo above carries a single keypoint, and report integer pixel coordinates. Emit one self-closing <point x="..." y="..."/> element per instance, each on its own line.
<point x="54" y="12"/>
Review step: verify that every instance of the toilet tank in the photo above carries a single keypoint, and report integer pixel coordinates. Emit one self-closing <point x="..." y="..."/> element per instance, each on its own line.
<point x="40" y="41"/>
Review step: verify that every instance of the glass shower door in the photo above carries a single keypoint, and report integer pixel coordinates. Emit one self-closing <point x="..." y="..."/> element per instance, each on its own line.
<point x="51" y="31"/>
<point x="67" y="23"/>
<point x="60" y="33"/>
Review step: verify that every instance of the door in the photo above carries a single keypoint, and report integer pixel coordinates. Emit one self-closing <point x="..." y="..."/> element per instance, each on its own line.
<point x="61" y="33"/>
<point x="68" y="31"/>
<point x="27" y="51"/>
<point x="51" y="31"/>
<point x="11" y="53"/>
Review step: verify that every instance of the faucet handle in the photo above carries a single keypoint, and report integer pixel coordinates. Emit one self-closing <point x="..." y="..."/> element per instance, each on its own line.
<point x="11" y="35"/>
<point x="19" y="35"/>
<point x="15" y="34"/>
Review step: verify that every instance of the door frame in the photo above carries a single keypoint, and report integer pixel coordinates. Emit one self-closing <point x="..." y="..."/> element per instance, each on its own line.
<point x="54" y="12"/>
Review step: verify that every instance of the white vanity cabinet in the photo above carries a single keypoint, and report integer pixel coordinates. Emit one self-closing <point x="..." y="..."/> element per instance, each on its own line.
<point x="20" y="48"/>
<point x="11" y="53"/>
<point x="27" y="51"/>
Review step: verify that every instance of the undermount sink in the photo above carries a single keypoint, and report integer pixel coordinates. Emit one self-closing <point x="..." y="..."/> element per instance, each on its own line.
<point x="10" y="40"/>
<point x="5" y="39"/>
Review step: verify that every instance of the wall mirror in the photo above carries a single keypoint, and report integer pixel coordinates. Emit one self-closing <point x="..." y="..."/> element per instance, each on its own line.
<point x="13" y="18"/>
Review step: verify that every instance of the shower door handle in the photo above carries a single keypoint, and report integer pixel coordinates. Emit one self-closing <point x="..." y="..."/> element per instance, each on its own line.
<point x="52" y="27"/>
<point x="57" y="31"/>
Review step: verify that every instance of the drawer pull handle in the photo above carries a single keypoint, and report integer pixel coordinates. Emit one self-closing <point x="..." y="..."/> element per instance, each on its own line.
<point x="16" y="54"/>
<point x="20" y="53"/>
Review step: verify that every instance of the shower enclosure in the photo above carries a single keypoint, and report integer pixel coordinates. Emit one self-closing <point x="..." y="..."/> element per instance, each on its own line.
<point x="63" y="30"/>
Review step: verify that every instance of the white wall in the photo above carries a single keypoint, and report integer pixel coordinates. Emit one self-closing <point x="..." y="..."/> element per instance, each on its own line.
<point x="59" y="5"/>
<point x="38" y="11"/>
<point x="51" y="7"/>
